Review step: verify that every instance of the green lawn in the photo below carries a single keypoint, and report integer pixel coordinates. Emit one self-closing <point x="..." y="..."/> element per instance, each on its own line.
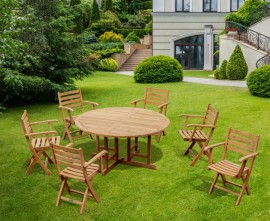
<point x="198" y="74"/>
<point x="175" y="191"/>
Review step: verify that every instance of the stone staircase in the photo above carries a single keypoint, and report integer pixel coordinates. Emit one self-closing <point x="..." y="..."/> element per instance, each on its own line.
<point x="138" y="56"/>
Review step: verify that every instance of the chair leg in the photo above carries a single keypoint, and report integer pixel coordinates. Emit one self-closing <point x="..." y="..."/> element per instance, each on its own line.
<point x="189" y="148"/>
<point x="31" y="165"/>
<point x="64" y="180"/>
<point x="85" y="196"/>
<point x="223" y="180"/>
<point x="244" y="187"/>
<point x="198" y="155"/>
<point x="39" y="161"/>
<point x="247" y="189"/>
<point x="47" y="157"/>
<point x="92" y="191"/>
<point x="67" y="133"/>
<point x="213" y="184"/>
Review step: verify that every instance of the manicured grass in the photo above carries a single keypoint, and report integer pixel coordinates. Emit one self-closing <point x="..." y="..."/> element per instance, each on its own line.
<point x="175" y="191"/>
<point x="198" y="74"/>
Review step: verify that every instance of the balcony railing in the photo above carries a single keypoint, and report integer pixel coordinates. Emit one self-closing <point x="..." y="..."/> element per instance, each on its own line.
<point x="263" y="61"/>
<point x="260" y="41"/>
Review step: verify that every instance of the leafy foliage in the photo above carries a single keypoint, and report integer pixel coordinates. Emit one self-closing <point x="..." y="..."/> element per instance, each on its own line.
<point x="258" y="81"/>
<point x="132" y="38"/>
<point x="158" y="69"/>
<point x="108" y="64"/>
<point x="139" y="32"/>
<point x="108" y="5"/>
<point x="220" y="73"/>
<point x="237" y="68"/>
<point x="110" y="36"/>
<point x="136" y="21"/>
<point x="243" y="15"/>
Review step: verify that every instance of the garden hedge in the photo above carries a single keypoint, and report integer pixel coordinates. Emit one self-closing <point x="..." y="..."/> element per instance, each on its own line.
<point x="158" y="69"/>
<point x="258" y="81"/>
<point x="220" y="73"/>
<point x="133" y="38"/>
<point x="108" y="64"/>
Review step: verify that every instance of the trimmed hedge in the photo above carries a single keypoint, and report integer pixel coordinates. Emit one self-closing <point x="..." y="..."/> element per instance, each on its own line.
<point x="108" y="64"/>
<point x="237" y="68"/>
<point x="220" y="73"/>
<point x="258" y="81"/>
<point x="132" y="38"/>
<point x="158" y="69"/>
<point x="109" y="36"/>
<point x="139" y="32"/>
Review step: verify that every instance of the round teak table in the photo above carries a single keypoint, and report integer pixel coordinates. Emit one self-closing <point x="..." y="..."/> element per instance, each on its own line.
<point x="123" y="122"/>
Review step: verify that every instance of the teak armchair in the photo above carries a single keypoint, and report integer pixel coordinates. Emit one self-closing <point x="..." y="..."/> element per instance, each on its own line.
<point x="238" y="142"/>
<point x="155" y="97"/>
<point x="198" y="133"/>
<point x="68" y="101"/>
<point x="38" y="142"/>
<point x="70" y="164"/>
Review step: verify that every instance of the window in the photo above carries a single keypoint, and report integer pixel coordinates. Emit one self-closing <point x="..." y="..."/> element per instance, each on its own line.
<point x="235" y="4"/>
<point x="209" y="5"/>
<point x="182" y="5"/>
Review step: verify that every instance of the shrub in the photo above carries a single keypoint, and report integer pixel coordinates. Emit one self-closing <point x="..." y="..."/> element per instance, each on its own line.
<point x="106" y="45"/>
<point x="108" y="64"/>
<point x="132" y="38"/>
<point x="88" y="37"/>
<point x="217" y="73"/>
<point x="158" y="69"/>
<point x="137" y="21"/>
<point x="258" y="81"/>
<point x="95" y="14"/>
<point x="148" y="27"/>
<point x="139" y="32"/>
<point x="237" y="68"/>
<point x="110" y="36"/>
<point x="220" y="73"/>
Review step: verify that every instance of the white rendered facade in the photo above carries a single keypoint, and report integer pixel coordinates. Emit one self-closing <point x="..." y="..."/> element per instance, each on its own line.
<point x="187" y="29"/>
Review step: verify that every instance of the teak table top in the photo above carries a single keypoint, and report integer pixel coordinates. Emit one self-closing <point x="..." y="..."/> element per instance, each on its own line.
<point x="122" y="122"/>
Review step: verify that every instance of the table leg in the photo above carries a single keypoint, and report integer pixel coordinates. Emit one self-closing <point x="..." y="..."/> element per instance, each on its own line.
<point x="128" y="148"/>
<point x="149" y="150"/>
<point x="107" y="149"/>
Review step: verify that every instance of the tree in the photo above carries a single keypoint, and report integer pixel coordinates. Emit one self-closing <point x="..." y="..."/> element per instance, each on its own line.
<point x="108" y="6"/>
<point x="103" y="3"/>
<point x="237" y="68"/>
<point x="95" y="14"/>
<point x="75" y="2"/>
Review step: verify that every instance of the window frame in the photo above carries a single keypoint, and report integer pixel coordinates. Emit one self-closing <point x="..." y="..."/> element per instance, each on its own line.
<point x="210" y="6"/>
<point x="183" y="6"/>
<point x="238" y="3"/>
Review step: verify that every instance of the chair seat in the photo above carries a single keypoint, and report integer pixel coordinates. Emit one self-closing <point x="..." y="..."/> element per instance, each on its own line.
<point x="71" y="172"/>
<point x="42" y="142"/>
<point x="226" y="168"/>
<point x="199" y="135"/>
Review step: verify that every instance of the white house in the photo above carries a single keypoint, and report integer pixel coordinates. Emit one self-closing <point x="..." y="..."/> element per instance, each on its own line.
<point x="187" y="30"/>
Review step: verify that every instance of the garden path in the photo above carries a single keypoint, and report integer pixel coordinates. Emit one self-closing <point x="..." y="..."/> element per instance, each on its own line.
<point x="210" y="81"/>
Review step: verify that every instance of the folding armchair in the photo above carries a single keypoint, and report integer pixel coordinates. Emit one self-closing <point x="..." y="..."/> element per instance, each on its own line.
<point x="199" y="133"/>
<point x="155" y="97"/>
<point x="67" y="102"/>
<point x="38" y="142"/>
<point x="237" y="142"/>
<point x="70" y="164"/>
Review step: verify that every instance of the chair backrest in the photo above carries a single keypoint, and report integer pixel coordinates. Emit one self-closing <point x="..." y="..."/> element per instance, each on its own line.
<point x="27" y="128"/>
<point x="211" y="116"/>
<point x="241" y="142"/>
<point x="68" y="157"/>
<point x="155" y="96"/>
<point x="71" y="99"/>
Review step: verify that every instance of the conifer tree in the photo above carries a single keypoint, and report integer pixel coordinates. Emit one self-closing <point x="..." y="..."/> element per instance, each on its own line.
<point x="108" y="6"/>
<point x="124" y="5"/>
<point x="103" y="3"/>
<point x="95" y="15"/>
<point x="75" y="2"/>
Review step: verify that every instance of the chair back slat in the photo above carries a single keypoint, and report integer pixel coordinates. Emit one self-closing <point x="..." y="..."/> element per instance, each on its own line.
<point x="241" y="142"/>
<point x="211" y="116"/>
<point x="27" y="128"/>
<point x="68" y="157"/>
<point x="71" y="99"/>
<point x="155" y="96"/>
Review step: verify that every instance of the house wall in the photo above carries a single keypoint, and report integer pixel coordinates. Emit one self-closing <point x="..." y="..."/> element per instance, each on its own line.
<point x="251" y="54"/>
<point x="260" y="27"/>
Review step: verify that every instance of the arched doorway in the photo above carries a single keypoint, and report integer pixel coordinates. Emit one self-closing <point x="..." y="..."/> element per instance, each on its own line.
<point x="189" y="52"/>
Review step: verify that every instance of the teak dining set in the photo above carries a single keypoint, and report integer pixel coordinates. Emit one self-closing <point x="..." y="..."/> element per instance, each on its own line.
<point x="131" y="124"/>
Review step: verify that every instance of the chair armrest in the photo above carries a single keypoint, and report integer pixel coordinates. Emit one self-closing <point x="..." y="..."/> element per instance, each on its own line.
<point x="201" y="125"/>
<point x="41" y="133"/>
<point x="94" y="104"/>
<point x="244" y="158"/>
<point x="44" y="122"/>
<point x="95" y="158"/>
<point x="213" y="146"/>
<point x="163" y="106"/>
<point x="190" y="115"/>
<point x="69" y="145"/>
<point x="66" y="108"/>
<point x="136" y="101"/>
